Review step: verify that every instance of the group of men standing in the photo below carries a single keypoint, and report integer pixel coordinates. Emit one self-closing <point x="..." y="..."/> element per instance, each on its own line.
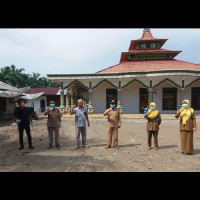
<point x="187" y="125"/>
<point x="24" y="120"/>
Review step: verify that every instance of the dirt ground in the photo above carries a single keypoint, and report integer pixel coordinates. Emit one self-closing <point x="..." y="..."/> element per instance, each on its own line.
<point x="132" y="156"/>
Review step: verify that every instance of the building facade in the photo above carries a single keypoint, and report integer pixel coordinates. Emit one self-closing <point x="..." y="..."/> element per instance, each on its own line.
<point x="145" y="73"/>
<point x="41" y="103"/>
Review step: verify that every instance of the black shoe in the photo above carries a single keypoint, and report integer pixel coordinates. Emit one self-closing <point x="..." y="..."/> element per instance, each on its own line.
<point x="184" y="153"/>
<point x="58" y="146"/>
<point x="22" y="147"/>
<point x="31" y="147"/>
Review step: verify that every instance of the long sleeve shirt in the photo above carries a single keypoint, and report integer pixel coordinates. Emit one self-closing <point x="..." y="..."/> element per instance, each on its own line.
<point x="114" y="118"/>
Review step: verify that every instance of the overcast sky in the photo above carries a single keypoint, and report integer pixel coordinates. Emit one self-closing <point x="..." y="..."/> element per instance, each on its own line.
<point x="49" y="51"/>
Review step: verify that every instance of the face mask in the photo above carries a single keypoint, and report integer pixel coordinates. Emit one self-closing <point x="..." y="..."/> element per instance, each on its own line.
<point x="185" y="105"/>
<point x="112" y="106"/>
<point x="52" y="105"/>
<point x="152" y="108"/>
<point x="22" y="105"/>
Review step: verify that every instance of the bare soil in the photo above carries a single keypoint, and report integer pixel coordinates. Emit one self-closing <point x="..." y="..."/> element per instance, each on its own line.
<point x="132" y="155"/>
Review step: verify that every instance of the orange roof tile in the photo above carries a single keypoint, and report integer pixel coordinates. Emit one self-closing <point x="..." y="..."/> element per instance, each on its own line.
<point x="153" y="50"/>
<point x="151" y="65"/>
<point x="47" y="91"/>
<point x="147" y="36"/>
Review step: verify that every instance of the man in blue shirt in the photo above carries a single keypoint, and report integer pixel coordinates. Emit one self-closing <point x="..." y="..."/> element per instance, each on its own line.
<point x="81" y="115"/>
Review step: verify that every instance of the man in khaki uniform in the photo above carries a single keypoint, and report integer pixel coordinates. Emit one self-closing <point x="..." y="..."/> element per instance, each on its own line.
<point x="53" y="124"/>
<point x="114" y="122"/>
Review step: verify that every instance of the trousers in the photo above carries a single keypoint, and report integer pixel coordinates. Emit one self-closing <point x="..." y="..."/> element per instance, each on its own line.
<point x="112" y="132"/>
<point x="21" y="129"/>
<point x="149" y="136"/>
<point x="54" y="130"/>
<point x="82" y="131"/>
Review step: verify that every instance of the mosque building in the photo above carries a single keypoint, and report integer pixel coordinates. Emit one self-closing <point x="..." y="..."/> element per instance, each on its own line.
<point x="145" y="73"/>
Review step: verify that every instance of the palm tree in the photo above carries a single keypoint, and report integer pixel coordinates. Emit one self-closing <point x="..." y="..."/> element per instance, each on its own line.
<point x="4" y="74"/>
<point x="35" y="80"/>
<point x="15" y="77"/>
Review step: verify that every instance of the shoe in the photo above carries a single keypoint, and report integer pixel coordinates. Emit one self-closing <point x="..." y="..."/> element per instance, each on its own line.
<point x="50" y="147"/>
<point x="22" y="147"/>
<point x="58" y="146"/>
<point x="116" y="147"/>
<point x="184" y="153"/>
<point x="156" y="148"/>
<point x="149" y="148"/>
<point x="31" y="147"/>
<point x="76" y="147"/>
<point x="107" y="147"/>
<point x="85" y="146"/>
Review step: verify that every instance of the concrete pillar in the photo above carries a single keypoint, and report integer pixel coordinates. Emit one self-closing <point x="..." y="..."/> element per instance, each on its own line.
<point x="84" y="99"/>
<point x="90" y="106"/>
<point x="68" y="106"/>
<point x="182" y="93"/>
<point x="150" y="93"/>
<point x="119" y="91"/>
<point x="62" y="106"/>
<point x="72" y="99"/>
<point x="182" y="96"/>
<point x="75" y="96"/>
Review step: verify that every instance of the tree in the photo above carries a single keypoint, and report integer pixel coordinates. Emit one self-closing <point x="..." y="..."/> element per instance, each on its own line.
<point x="15" y="77"/>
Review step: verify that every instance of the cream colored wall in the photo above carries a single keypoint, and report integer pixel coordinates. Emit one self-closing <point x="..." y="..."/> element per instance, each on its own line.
<point x="36" y="103"/>
<point x="157" y="97"/>
<point x="10" y="107"/>
<point x="99" y="97"/>
<point x="188" y="93"/>
<point x="130" y="98"/>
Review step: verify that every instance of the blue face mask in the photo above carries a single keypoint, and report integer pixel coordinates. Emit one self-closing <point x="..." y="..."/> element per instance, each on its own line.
<point x="52" y="105"/>
<point x="185" y="105"/>
<point x="152" y="108"/>
<point x="112" y="106"/>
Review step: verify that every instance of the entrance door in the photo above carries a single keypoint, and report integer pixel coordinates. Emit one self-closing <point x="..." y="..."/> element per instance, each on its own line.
<point x="2" y="104"/>
<point x="196" y="98"/>
<point x="111" y="94"/>
<point x="42" y="105"/>
<point x="143" y="99"/>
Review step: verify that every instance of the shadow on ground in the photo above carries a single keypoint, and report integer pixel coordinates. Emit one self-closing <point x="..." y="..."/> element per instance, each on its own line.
<point x="167" y="146"/>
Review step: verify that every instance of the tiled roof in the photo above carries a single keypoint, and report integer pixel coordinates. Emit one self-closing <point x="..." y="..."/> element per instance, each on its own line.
<point x="153" y="50"/>
<point x="151" y="65"/>
<point x="147" y="36"/>
<point x="47" y="91"/>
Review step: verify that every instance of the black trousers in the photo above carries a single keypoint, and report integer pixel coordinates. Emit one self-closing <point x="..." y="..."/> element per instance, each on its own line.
<point x="21" y="128"/>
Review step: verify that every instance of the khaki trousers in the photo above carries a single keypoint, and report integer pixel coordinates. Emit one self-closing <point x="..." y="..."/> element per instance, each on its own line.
<point x="187" y="141"/>
<point x="56" y="133"/>
<point x="112" y="132"/>
<point x="149" y="136"/>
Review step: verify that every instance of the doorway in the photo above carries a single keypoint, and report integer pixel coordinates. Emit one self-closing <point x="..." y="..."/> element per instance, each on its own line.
<point x="42" y="105"/>
<point x="196" y="98"/>
<point x="143" y="99"/>
<point x="111" y="94"/>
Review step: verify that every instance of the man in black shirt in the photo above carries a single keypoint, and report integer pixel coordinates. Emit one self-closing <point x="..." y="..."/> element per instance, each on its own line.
<point x="22" y="116"/>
